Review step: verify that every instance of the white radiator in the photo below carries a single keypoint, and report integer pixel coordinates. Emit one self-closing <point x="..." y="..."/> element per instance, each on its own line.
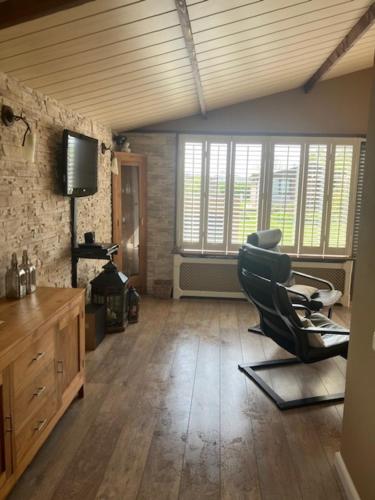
<point x="217" y="277"/>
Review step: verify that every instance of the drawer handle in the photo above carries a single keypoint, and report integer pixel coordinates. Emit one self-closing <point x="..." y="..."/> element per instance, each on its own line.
<point x="39" y="391"/>
<point x="41" y="425"/>
<point x="39" y="356"/>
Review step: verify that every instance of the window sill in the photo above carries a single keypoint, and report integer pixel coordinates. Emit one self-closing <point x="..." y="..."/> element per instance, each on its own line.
<point x="234" y="255"/>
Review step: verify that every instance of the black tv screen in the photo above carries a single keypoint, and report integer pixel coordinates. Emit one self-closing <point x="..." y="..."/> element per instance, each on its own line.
<point x="80" y="163"/>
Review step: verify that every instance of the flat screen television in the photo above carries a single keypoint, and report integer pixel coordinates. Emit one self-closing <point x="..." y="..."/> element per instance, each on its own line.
<point x="80" y="164"/>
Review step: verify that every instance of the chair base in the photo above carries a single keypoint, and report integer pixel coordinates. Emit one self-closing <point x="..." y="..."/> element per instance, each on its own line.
<point x="255" y="329"/>
<point x="282" y="404"/>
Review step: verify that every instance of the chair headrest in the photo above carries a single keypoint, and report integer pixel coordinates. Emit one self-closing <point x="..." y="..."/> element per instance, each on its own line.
<point x="271" y="265"/>
<point x="268" y="239"/>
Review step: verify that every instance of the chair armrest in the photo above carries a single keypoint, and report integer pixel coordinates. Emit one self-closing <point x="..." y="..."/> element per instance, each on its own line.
<point x="310" y="329"/>
<point x="314" y="278"/>
<point x="300" y="294"/>
<point x="301" y="307"/>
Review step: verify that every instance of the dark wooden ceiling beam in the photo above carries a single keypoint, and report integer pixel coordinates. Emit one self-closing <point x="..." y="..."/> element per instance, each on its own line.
<point x="189" y="42"/>
<point x="14" y="12"/>
<point x="358" y="30"/>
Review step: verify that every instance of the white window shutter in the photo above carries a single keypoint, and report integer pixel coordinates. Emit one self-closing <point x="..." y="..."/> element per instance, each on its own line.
<point x="314" y="197"/>
<point x="246" y="192"/>
<point x="285" y="192"/>
<point x="340" y="197"/>
<point x="192" y="194"/>
<point x="217" y="174"/>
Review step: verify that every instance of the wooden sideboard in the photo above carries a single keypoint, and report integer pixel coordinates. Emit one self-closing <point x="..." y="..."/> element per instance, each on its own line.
<point x="42" y="348"/>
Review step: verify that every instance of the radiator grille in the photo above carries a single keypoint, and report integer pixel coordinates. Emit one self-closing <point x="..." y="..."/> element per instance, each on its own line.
<point x="209" y="277"/>
<point x="335" y="276"/>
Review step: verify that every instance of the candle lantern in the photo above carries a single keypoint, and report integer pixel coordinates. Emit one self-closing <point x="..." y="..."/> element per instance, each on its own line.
<point x="110" y="288"/>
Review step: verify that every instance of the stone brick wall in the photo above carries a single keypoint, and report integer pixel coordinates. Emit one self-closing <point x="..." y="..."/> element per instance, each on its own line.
<point x="33" y="214"/>
<point x="161" y="187"/>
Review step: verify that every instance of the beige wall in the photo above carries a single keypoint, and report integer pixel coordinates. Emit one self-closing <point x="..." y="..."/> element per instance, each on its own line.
<point x="32" y="213"/>
<point x="337" y="106"/>
<point x="358" y="441"/>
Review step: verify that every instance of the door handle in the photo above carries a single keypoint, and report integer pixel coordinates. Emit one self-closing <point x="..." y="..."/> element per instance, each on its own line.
<point x="60" y="367"/>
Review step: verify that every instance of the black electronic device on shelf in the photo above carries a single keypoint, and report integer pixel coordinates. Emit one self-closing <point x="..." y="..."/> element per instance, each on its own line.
<point x="86" y="250"/>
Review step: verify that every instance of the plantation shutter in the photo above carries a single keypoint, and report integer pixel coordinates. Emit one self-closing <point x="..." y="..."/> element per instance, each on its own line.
<point x="193" y="154"/>
<point x="358" y="205"/>
<point x="285" y="192"/>
<point x="314" y="197"/>
<point x="340" y="198"/>
<point x="217" y="175"/>
<point x="246" y="192"/>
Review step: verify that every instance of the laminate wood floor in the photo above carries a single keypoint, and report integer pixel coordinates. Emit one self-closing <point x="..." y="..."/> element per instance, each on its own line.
<point x="167" y="415"/>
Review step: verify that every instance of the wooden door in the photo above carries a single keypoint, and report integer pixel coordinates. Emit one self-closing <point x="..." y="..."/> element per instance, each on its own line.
<point x="70" y="350"/>
<point x="6" y="430"/>
<point x="129" y="218"/>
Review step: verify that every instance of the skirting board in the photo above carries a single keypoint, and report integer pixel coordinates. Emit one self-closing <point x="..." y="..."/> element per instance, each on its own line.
<point x="345" y="479"/>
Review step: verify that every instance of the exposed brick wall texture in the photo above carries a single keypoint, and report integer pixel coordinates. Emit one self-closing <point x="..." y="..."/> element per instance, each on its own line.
<point x="33" y="213"/>
<point x="160" y="150"/>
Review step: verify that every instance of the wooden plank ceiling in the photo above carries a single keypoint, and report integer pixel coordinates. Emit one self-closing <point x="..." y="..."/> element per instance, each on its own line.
<point x="125" y="63"/>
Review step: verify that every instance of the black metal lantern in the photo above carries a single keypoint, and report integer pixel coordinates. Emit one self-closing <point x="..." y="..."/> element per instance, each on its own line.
<point x="110" y="288"/>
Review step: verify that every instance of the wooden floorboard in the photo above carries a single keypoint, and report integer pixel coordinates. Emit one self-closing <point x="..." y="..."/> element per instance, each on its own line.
<point x="167" y="415"/>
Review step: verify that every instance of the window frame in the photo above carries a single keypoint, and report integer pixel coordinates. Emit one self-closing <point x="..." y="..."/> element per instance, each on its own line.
<point x="265" y="193"/>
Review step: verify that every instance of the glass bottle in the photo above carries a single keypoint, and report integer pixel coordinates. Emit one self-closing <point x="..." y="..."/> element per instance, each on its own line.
<point x="30" y="272"/>
<point x="15" y="280"/>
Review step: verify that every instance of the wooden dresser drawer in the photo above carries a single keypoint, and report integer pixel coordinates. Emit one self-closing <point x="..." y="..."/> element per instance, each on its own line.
<point x="34" y="359"/>
<point x="37" y="392"/>
<point x="34" y="428"/>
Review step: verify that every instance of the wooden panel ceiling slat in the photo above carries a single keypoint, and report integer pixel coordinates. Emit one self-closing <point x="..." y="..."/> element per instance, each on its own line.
<point x="52" y="20"/>
<point x="127" y="93"/>
<point x="302" y="41"/>
<point x="268" y="42"/>
<point x="100" y="53"/>
<point x="255" y="11"/>
<point x="264" y="12"/>
<point x="286" y="65"/>
<point x="214" y="7"/>
<point x="150" y="108"/>
<point x="75" y="30"/>
<point x="243" y="86"/>
<point x="174" y="49"/>
<point x="134" y="122"/>
<point x="274" y="56"/>
<point x="155" y="24"/>
<point x="286" y="27"/>
<point x="284" y="19"/>
<point x="127" y="88"/>
<point x="112" y="73"/>
<point x="141" y="97"/>
<point x="122" y="80"/>
<point x="140" y="121"/>
<point x="257" y="67"/>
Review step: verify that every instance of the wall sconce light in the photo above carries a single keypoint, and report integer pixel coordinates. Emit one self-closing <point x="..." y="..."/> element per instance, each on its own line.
<point x="29" y="138"/>
<point x="114" y="162"/>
